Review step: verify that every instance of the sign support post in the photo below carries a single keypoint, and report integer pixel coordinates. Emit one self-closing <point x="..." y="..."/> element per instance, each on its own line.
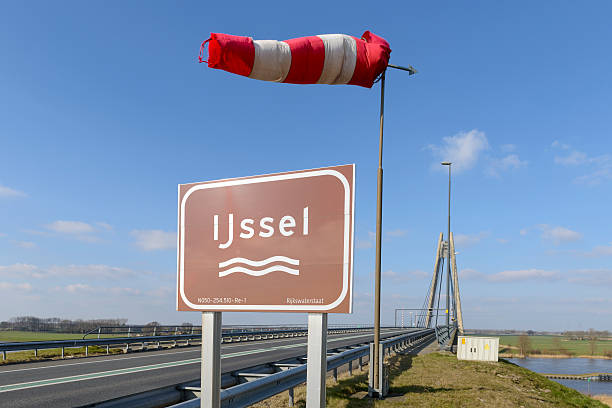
<point x="210" y="394"/>
<point x="316" y="360"/>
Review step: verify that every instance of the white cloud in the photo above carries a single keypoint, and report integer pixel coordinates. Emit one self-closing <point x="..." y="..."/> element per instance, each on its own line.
<point x="502" y="240"/>
<point x="524" y="231"/>
<point x="390" y="274"/>
<point x="464" y="240"/>
<point x="369" y="242"/>
<point x="510" y="162"/>
<point x="507" y="148"/>
<point x="523" y="274"/>
<point x="462" y="149"/>
<point x="152" y="240"/>
<point x="20" y="270"/>
<point x="599" y="168"/>
<point x="404" y="276"/>
<point x="470" y="274"/>
<point x="593" y="277"/>
<point x="396" y="233"/>
<point x="83" y="271"/>
<point x="560" y="145"/>
<point x="26" y="287"/>
<point x="363" y="244"/>
<point x="162" y="292"/>
<point x="123" y="291"/>
<point x="25" y="244"/>
<point x="92" y="271"/>
<point x="10" y="192"/>
<point x="510" y="275"/>
<point x="558" y="234"/>
<point x="104" y="225"/>
<point x="78" y="287"/>
<point x="71" y="227"/>
<point x="600" y="250"/>
<point x="575" y="158"/>
<point x="80" y="230"/>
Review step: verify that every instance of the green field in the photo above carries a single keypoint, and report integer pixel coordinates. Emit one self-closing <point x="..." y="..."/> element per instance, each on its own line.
<point x="21" y="336"/>
<point x="16" y="336"/>
<point x="555" y="345"/>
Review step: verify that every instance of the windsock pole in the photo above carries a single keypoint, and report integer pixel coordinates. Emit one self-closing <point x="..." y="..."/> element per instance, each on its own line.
<point x="376" y="368"/>
<point x="377" y="383"/>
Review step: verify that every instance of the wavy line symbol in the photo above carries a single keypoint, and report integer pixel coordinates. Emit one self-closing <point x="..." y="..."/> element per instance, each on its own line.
<point x="260" y="272"/>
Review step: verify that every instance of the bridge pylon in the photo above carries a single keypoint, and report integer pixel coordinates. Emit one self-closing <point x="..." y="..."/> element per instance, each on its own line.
<point x="435" y="294"/>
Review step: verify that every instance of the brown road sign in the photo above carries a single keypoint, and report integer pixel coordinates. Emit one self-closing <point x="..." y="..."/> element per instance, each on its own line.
<point x="279" y="242"/>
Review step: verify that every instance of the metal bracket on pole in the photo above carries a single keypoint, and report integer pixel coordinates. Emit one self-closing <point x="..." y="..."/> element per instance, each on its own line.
<point x="316" y="360"/>
<point x="411" y="70"/>
<point x="211" y="360"/>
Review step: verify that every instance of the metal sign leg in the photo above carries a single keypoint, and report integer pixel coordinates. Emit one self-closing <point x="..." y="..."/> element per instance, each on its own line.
<point x="211" y="360"/>
<point x="316" y="360"/>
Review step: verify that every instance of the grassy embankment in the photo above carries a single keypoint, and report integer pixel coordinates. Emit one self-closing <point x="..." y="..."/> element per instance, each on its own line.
<point x="21" y="356"/>
<point x="440" y="380"/>
<point x="555" y="346"/>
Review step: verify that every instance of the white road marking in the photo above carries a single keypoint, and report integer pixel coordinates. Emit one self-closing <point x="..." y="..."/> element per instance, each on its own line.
<point x="230" y="355"/>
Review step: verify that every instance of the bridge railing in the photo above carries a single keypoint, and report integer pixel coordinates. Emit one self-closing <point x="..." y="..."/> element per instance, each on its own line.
<point x="446" y="336"/>
<point x="157" y="341"/>
<point x="249" y="393"/>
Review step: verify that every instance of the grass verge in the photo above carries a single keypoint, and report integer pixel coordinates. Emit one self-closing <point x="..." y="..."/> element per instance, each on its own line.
<point x="53" y="354"/>
<point x="440" y="380"/>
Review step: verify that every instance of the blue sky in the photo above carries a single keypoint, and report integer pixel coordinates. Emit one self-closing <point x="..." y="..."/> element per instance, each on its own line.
<point x="104" y="110"/>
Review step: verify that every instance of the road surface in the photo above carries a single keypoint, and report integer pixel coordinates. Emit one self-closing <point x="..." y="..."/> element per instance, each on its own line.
<point x="82" y="381"/>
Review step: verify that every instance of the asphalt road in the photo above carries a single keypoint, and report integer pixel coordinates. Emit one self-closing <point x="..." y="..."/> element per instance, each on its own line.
<point x="76" y="382"/>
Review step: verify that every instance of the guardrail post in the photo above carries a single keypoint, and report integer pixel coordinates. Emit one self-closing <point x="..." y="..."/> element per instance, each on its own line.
<point x="211" y="360"/>
<point x="291" y="401"/>
<point x="86" y="351"/>
<point x="350" y="367"/>
<point x="316" y="360"/>
<point x="35" y="352"/>
<point x="99" y="330"/>
<point x="4" y="355"/>
<point x="336" y="374"/>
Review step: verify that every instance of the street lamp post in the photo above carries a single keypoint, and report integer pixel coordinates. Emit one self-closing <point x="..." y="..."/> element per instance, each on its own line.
<point x="448" y="271"/>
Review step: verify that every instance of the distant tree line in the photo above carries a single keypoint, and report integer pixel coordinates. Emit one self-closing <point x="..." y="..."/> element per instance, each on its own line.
<point x="55" y="324"/>
<point x="587" y="334"/>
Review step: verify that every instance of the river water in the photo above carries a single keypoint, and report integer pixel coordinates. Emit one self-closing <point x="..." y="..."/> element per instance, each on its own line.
<point x="571" y="366"/>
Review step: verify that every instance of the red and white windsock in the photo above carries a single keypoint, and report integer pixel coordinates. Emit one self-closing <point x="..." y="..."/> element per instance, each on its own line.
<point x="332" y="59"/>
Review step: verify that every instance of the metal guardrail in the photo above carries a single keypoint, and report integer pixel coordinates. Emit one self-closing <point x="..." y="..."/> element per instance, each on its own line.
<point x="156" y="341"/>
<point x="168" y="330"/>
<point x="446" y="336"/>
<point x="123" y="341"/>
<point x="249" y="393"/>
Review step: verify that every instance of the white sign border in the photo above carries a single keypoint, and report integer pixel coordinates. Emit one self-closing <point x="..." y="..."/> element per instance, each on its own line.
<point x="349" y="223"/>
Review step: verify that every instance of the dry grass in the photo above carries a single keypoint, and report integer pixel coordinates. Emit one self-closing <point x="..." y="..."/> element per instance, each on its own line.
<point x="606" y="399"/>
<point x="440" y="380"/>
